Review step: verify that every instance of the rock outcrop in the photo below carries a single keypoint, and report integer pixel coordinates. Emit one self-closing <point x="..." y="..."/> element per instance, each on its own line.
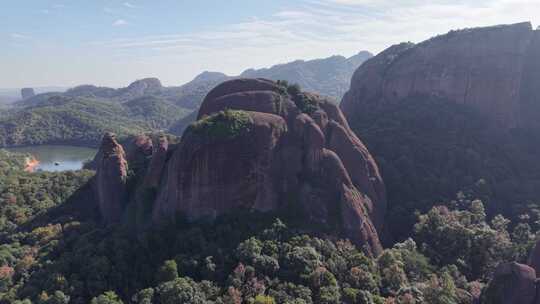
<point x="157" y="163"/>
<point x="493" y="69"/>
<point x="512" y="283"/>
<point x="111" y="178"/>
<point x="262" y="145"/>
<point x="283" y="153"/>
<point x="515" y="283"/>
<point x="534" y="258"/>
<point x="27" y="93"/>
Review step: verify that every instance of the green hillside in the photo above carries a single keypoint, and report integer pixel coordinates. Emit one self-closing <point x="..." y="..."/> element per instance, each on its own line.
<point x="83" y="120"/>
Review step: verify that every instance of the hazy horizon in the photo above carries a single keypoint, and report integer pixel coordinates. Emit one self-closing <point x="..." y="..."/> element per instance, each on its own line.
<point x="52" y="87"/>
<point x="112" y="43"/>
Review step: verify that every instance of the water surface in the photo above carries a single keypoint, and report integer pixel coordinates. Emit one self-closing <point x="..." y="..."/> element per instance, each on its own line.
<point x="58" y="158"/>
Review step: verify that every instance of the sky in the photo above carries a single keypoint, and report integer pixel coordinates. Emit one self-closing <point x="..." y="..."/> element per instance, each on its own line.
<point x="114" y="42"/>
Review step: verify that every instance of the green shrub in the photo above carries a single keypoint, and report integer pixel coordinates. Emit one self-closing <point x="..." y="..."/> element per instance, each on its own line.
<point x="226" y="124"/>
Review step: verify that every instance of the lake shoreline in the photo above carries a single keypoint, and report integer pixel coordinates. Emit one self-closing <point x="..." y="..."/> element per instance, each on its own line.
<point x="31" y="164"/>
<point x="54" y="158"/>
<point x="90" y="145"/>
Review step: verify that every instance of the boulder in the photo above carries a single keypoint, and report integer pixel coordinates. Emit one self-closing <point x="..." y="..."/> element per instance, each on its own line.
<point x="534" y="257"/>
<point x="512" y="283"/>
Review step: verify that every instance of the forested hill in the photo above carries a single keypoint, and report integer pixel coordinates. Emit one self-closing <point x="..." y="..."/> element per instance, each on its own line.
<point x="84" y="112"/>
<point x="83" y="120"/>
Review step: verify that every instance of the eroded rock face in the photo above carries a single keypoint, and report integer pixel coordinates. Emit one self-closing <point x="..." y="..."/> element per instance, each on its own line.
<point x="138" y="152"/>
<point x="261" y="145"/>
<point x="280" y="154"/>
<point x="110" y="180"/>
<point x="494" y="69"/>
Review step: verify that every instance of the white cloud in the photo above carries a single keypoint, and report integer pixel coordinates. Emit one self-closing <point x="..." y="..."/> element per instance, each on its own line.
<point x="127" y="4"/>
<point x="120" y="22"/>
<point x="301" y="29"/>
<point x="349" y="25"/>
<point x="311" y="29"/>
<point x="19" y="36"/>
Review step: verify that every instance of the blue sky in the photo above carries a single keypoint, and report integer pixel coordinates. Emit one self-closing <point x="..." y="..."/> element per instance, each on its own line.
<point x="110" y="42"/>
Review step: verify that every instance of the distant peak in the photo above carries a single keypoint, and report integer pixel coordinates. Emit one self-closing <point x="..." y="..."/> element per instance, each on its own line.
<point x="27" y="93"/>
<point x="147" y="82"/>
<point x="209" y="76"/>
<point x="362" y="55"/>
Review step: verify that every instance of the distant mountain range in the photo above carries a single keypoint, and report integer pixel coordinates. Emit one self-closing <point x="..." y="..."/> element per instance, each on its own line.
<point x="147" y="105"/>
<point x="10" y="95"/>
<point x="330" y="76"/>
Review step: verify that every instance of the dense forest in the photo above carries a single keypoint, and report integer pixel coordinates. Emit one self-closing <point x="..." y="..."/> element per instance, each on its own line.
<point x="409" y="176"/>
<point x="56" y="250"/>
<point x="429" y="149"/>
<point x="82" y="121"/>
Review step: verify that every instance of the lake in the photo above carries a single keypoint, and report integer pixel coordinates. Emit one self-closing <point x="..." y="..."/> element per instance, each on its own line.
<point x="58" y="158"/>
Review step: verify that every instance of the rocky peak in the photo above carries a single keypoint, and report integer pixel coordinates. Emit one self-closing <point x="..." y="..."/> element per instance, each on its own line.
<point x="27" y="93"/>
<point x="264" y="145"/>
<point x="144" y="86"/>
<point x="298" y="145"/>
<point x="111" y="178"/>
<point x="110" y="145"/>
<point x="359" y="58"/>
<point x="209" y="76"/>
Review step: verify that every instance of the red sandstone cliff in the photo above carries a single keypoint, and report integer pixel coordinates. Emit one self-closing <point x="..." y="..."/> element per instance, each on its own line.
<point x="260" y="145"/>
<point x="494" y="69"/>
